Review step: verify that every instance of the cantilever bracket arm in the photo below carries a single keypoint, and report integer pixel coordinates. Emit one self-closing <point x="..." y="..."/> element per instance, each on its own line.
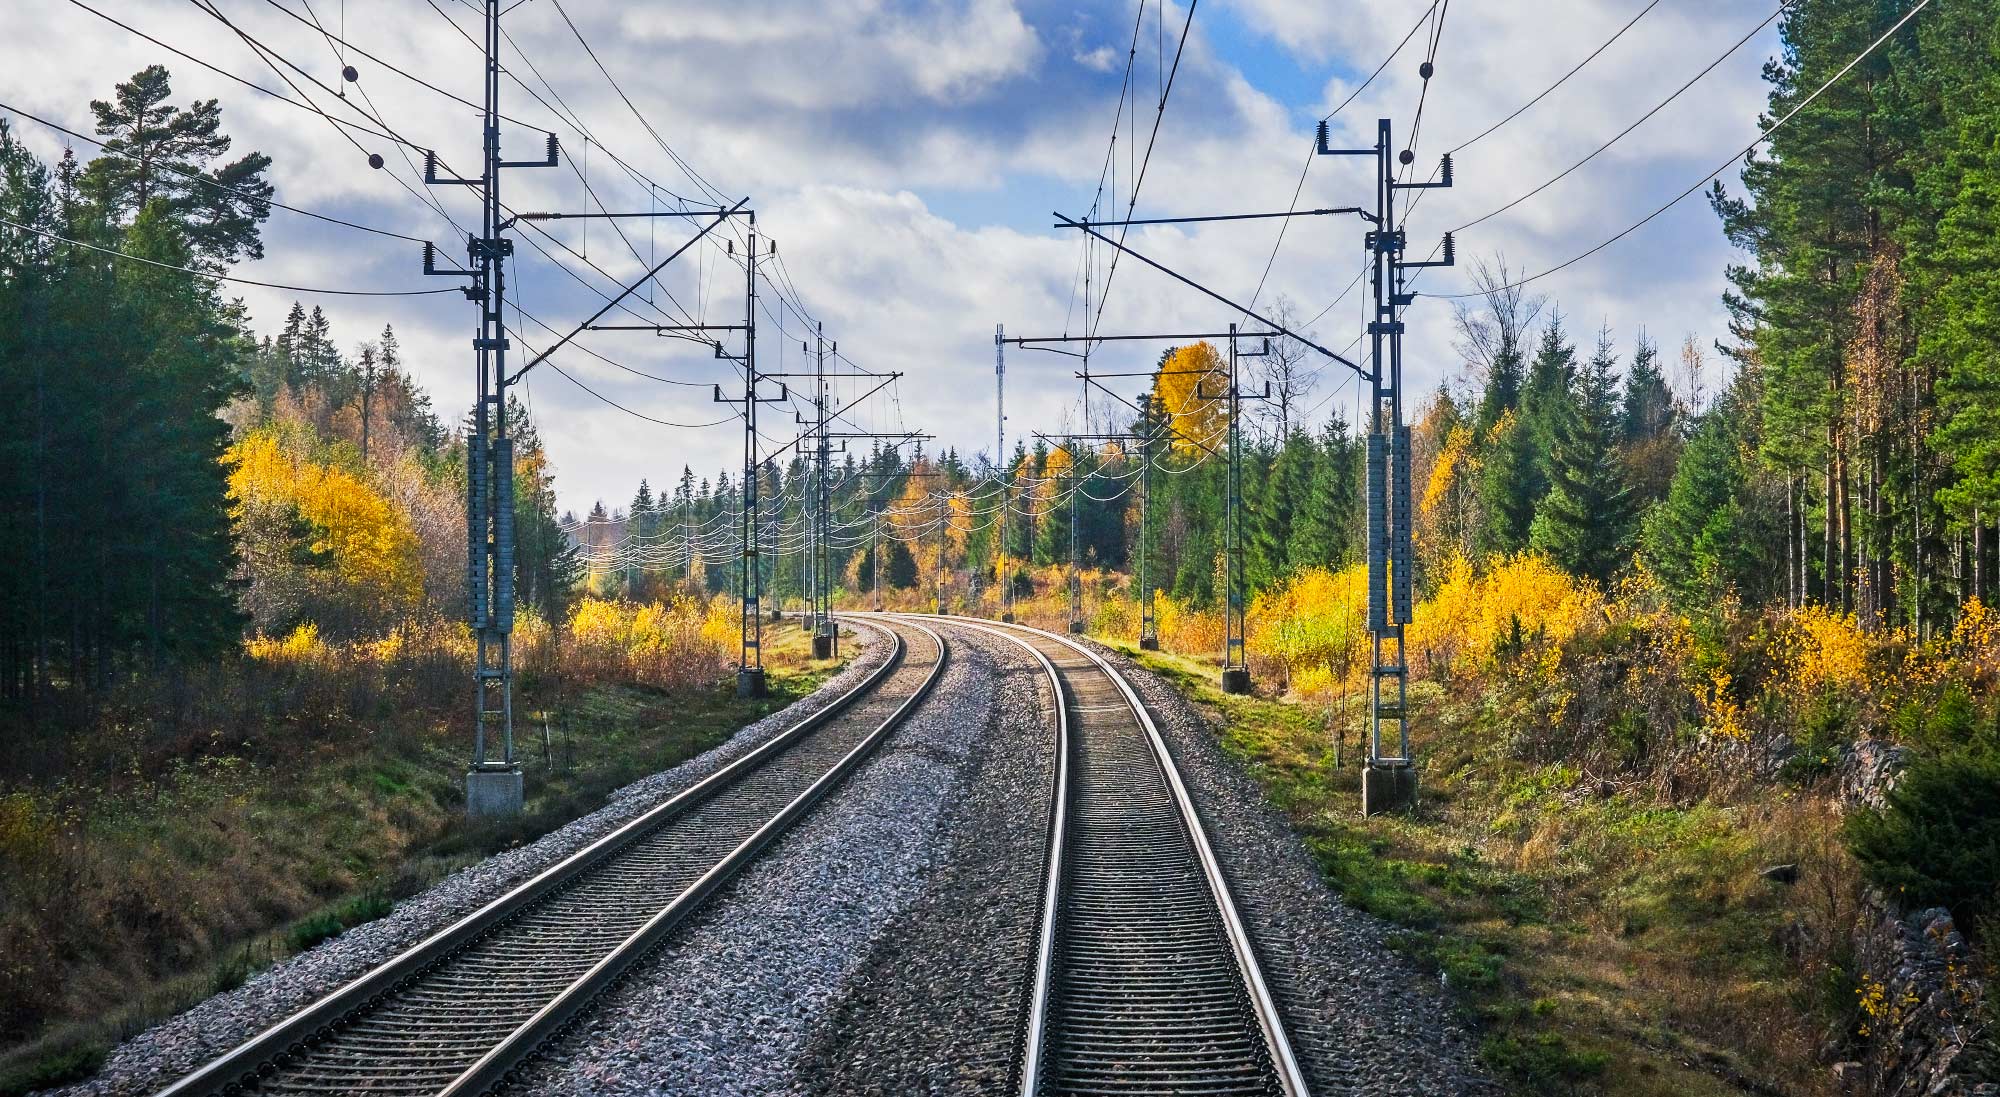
<point x="1355" y="210"/>
<point x="1168" y="427"/>
<point x="720" y="219"/>
<point x="1192" y="284"/>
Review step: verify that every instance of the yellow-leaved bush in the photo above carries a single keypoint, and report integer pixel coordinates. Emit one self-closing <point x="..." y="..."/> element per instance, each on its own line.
<point x="677" y="642"/>
<point x="1823" y="650"/>
<point x="1315" y="625"/>
<point x="1523" y="605"/>
<point x="365" y="538"/>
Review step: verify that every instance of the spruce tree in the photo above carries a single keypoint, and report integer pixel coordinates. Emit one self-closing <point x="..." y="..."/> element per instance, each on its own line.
<point x="1517" y="447"/>
<point x="1694" y="540"/>
<point x="1648" y="427"/>
<point x="645" y="541"/>
<point x="1583" y="523"/>
<point x="1646" y="410"/>
<point x="1272" y="523"/>
<point x="1506" y="499"/>
<point x="1328" y="518"/>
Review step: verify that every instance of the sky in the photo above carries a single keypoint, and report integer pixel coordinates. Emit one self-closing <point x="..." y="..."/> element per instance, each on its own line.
<point x="906" y="156"/>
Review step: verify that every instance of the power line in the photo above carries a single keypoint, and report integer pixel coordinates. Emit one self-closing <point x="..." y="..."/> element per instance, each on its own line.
<point x="1559" y="176"/>
<point x="1482" y="135"/>
<point x="1299" y="189"/>
<point x="206" y="181"/>
<point x="1564" y="78"/>
<point x="1428" y="68"/>
<point x="636" y="414"/>
<point x="1724" y="166"/>
<point x="685" y="167"/>
<point x="227" y="75"/>
<point x="115" y="253"/>
<point x="1139" y="179"/>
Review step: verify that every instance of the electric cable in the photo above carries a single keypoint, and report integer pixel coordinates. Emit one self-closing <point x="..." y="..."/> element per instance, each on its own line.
<point x="1724" y="166"/>
<point x="115" y="253"/>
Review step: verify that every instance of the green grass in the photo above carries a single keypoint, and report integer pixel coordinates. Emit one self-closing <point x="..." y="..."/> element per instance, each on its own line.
<point x="50" y="1064"/>
<point x="1604" y="944"/>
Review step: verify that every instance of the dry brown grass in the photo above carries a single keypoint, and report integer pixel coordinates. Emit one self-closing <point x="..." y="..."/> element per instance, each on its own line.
<point x="168" y="856"/>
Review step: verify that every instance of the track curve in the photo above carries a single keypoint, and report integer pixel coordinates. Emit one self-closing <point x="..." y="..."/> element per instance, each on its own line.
<point x="456" y="1013"/>
<point x="1146" y="981"/>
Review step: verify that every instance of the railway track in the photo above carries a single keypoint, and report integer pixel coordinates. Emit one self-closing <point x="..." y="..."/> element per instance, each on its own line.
<point x="1145" y="981"/>
<point x="455" y="1014"/>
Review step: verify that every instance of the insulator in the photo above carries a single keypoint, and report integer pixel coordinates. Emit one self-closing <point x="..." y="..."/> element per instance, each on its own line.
<point x="1447" y="169"/>
<point x="1448" y="249"/>
<point x="554" y="147"/>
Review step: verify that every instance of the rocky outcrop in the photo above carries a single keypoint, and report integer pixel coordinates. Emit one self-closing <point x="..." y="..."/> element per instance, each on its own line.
<point x="1922" y="1007"/>
<point x="1869" y="769"/>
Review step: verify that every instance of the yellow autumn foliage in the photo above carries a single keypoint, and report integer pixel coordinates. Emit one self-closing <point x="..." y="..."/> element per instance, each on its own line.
<point x="1178" y="387"/>
<point x="368" y="538"/>
<point x="1525" y="599"/>
<point x="301" y="646"/>
<point x="1316" y="625"/>
<point x="1823" y="650"/>
<point x="1453" y="459"/>
<point x="676" y="642"/>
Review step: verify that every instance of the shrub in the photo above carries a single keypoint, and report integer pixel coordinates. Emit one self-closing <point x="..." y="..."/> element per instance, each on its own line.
<point x="312" y="930"/>
<point x="1824" y="729"/>
<point x="51" y="1065"/>
<point x="1937" y="842"/>
<point x="1542" y="1063"/>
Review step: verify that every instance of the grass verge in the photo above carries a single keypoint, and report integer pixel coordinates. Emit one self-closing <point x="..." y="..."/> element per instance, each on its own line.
<point x="184" y="885"/>
<point x="1607" y="939"/>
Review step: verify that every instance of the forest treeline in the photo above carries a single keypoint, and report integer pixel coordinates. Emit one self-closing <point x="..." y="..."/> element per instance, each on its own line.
<point x="1848" y="455"/>
<point x="169" y="477"/>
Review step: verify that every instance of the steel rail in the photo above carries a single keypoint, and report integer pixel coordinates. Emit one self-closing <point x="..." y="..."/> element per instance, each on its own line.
<point x="1034" y="1031"/>
<point x="248" y="1063"/>
<point x="1263" y="1005"/>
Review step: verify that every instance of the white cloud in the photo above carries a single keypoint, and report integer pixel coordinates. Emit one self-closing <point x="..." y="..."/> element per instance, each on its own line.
<point x="905" y="152"/>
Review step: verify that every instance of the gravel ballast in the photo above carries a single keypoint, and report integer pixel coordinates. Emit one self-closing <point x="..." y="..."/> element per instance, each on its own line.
<point x="936" y="1008"/>
<point x="1362" y="1018"/>
<point x="178" y="1045"/>
<point x="733" y="1002"/>
<point x="884" y="944"/>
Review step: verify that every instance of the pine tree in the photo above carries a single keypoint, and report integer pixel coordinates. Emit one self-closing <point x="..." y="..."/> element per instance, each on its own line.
<point x="189" y="365"/>
<point x="1583" y="523"/>
<point x="1955" y="268"/>
<point x="161" y="153"/>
